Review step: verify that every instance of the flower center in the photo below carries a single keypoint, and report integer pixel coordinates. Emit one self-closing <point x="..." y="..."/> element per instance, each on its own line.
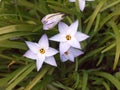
<point x="42" y="51"/>
<point x="68" y="37"/>
<point x="66" y="52"/>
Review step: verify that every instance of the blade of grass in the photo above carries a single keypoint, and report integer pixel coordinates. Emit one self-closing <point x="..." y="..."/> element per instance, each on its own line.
<point x="92" y="18"/>
<point x="37" y="78"/>
<point x="108" y="48"/>
<point x="117" y="37"/>
<point x="109" y="77"/>
<point x="85" y="80"/>
<point x="110" y="5"/>
<point x="60" y="85"/>
<point x="20" y="71"/>
<point x="13" y="44"/>
<point x="106" y="85"/>
<point x="15" y="34"/>
<point x="15" y="28"/>
<point x="21" y="77"/>
<point x="115" y="13"/>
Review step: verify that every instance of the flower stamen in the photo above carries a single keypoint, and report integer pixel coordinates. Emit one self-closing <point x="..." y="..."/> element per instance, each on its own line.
<point x="42" y="51"/>
<point x="68" y="37"/>
<point x="66" y="52"/>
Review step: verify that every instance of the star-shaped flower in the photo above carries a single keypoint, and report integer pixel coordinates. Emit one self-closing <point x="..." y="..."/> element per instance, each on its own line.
<point x="70" y="54"/>
<point x="50" y="20"/>
<point x="41" y="52"/>
<point x="81" y="3"/>
<point x="68" y="36"/>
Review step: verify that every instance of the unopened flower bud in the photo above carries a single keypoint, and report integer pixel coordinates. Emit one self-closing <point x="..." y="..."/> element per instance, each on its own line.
<point x="50" y="20"/>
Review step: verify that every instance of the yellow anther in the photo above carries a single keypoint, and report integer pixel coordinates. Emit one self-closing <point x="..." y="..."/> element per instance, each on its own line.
<point x="42" y="51"/>
<point x="68" y="37"/>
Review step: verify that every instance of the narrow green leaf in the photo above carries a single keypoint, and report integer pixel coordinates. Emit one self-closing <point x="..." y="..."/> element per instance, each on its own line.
<point x="20" y="71"/>
<point x="10" y="77"/>
<point x="42" y="6"/>
<point x="117" y="37"/>
<point x="109" y="77"/>
<point x="77" y="5"/>
<point x="100" y="59"/>
<point x="106" y="86"/>
<point x="97" y="23"/>
<point x="107" y="18"/>
<point x="92" y="18"/>
<point x="110" y="5"/>
<point x="37" y="78"/>
<point x="60" y="85"/>
<point x="61" y="9"/>
<point x="85" y="79"/>
<point x="13" y="44"/>
<point x="21" y="77"/>
<point x="15" y="34"/>
<point x="14" y="28"/>
<point x="76" y="79"/>
<point x="6" y="57"/>
<point x="28" y="5"/>
<point x="108" y="48"/>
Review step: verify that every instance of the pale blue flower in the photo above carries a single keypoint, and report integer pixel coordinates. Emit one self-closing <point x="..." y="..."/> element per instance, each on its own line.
<point x="41" y="52"/>
<point x="70" y="54"/>
<point x="69" y="36"/>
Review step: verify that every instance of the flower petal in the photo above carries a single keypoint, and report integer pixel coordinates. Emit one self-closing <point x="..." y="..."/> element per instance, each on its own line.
<point x="41" y="56"/>
<point x="75" y="52"/>
<point x="68" y="56"/>
<point x="71" y="0"/>
<point x="30" y="54"/>
<point x="82" y="4"/>
<point x="43" y="42"/>
<point x="73" y="28"/>
<point x="51" y="52"/>
<point x="58" y="38"/>
<point x="81" y="36"/>
<point x="33" y="46"/>
<point x="49" y="26"/>
<point x="63" y="47"/>
<point x="74" y="43"/>
<point x="51" y="61"/>
<point x="62" y="27"/>
<point x="63" y="58"/>
<point x="71" y="57"/>
<point x="39" y="64"/>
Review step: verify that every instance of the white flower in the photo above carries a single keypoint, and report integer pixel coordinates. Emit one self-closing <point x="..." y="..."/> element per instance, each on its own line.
<point x="81" y="3"/>
<point x="70" y="54"/>
<point x="68" y="36"/>
<point x="41" y="52"/>
<point x="50" y="20"/>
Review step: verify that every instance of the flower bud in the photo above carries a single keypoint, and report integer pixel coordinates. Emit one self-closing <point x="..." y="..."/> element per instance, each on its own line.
<point x="50" y="20"/>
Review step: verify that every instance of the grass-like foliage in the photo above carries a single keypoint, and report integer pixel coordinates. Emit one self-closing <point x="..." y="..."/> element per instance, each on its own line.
<point x="97" y="69"/>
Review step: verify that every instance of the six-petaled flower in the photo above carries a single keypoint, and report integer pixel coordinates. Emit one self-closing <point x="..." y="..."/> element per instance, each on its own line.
<point x="70" y="54"/>
<point x="69" y="36"/>
<point x="41" y="52"/>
